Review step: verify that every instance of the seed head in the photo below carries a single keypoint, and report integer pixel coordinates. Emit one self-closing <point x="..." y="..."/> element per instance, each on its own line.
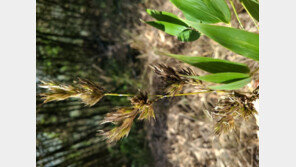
<point x="174" y="79"/>
<point x="225" y="124"/>
<point x="89" y="92"/>
<point x="124" y="117"/>
<point x="234" y="106"/>
<point x="143" y="105"/>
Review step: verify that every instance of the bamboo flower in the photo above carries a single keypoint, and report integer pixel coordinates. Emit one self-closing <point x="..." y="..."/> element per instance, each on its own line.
<point x="233" y="106"/>
<point x="173" y="78"/>
<point x="124" y="117"/>
<point x="89" y="92"/>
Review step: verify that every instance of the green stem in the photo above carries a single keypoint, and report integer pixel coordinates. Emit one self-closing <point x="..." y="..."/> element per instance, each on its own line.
<point x="234" y="10"/>
<point x="184" y="94"/>
<point x="117" y="94"/>
<point x="251" y="17"/>
<point x="161" y="96"/>
<point x="165" y="96"/>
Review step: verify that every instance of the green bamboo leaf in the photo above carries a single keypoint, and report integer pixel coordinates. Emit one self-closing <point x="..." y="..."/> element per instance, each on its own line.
<point x="207" y="11"/>
<point x="188" y="35"/>
<point x="253" y="8"/>
<point x="210" y="64"/>
<point x="239" y="41"/>
<point x="170" y="28"/>
<point x="166" y="17"/>
<point x="233" y="85"/>
<point x="172" y="25"/>
<point x="227" y="77"/>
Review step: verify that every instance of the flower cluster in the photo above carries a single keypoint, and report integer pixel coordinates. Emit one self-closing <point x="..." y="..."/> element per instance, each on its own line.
<point x="228" y="109"/>
<point x="124" y="117"/>
<point x="89" y="92"/>
<point x="174" y="79"/>
<point x="234" y="106"/>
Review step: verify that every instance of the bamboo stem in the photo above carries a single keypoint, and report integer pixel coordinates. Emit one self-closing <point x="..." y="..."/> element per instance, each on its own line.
<point x="117" y="94"/>
<point x="184" y="94"/>
<point x="164" y="96"/>
<point x="234" y="10"/>
<point x="251" y="17"/>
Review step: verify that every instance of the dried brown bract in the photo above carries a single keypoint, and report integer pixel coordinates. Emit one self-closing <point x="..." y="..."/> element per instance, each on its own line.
<point x="225" y="124"/>
<point x="89" y="92"/>
<point x="234" y="106"/>
<point x="124" y="117"/>
<point x="174" y="79"/>
<point x="255" y="94"/>
<point x="143" y="105"/>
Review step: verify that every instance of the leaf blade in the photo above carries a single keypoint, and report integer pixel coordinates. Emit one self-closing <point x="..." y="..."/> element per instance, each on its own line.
<point x="232" y="86"/>
<point x="208" y="11"/>
<point x="239" y="41"/>
<point x="166" y="16"/>
<point x="253" y="7"/>
<point x="188" y="35"/>
<point x="172" y="25"/>
<point x="170" y="28"/>
<point x="210" y="64"/>
<point x="227" y="77"/>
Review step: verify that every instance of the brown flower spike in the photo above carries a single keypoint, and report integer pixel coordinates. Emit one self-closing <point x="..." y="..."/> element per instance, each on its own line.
<point x="89" y="92"/>
<point x="143" y="105"/>
<point x="233" y="106"/>
<point x="174" y="79"/>
<point x="124" y="117"/>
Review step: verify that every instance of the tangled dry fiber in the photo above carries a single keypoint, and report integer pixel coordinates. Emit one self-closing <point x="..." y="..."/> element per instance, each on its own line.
<point x="182" y="134"/>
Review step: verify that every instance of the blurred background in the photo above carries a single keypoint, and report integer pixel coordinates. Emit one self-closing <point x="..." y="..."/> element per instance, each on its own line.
<point x="87" y="39"/>
<point x="104" y="41"/>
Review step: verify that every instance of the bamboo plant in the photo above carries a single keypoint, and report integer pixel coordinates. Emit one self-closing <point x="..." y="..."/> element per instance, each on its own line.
<point x="200" y="19"/>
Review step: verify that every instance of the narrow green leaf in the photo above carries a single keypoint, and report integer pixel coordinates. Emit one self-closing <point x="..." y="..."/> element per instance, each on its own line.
<point x="188" y="35"/>
<point x="253" y="7"/>
<point x="232" y="86"/>
<point x="239" y="41"/>
<point x="227" y="77"/>
<point x="170" y="28"/>
<point x="210" y="64"/>
<point x="172" y="25"/>
<point x="166" y="17"/>
<point x="207" y="11"/>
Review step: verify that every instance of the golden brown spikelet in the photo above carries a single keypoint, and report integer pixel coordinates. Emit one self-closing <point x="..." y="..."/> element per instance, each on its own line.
<point x="57" y="92"/>
<point x="234" y="106"/>
<point x="119" y="115"/>
<point x="146" y="112"/>
<point x="124" y="117"/>
<point x="143" y="105"/>
<point x="89" y="92"/>
<point x="174" y="79"/>
<point x="225" y="124"/>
